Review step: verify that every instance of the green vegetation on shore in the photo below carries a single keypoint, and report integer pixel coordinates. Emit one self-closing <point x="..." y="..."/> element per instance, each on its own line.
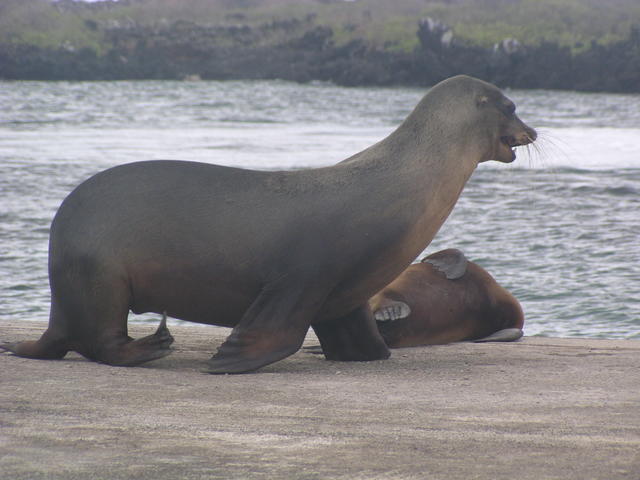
<point x="382" y="23"/>
<point x="566" y="44"/>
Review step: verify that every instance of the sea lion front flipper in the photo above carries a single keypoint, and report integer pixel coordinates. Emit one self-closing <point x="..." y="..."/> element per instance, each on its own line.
<point x="451" y="262"/>
<point x="393" y="310"/>
<point x="145" y="349"/>
<point x="127" y="352"/>
<point x="504" y="335"/>
<point x="272" y="328"/>
<point x="353" y="337"/>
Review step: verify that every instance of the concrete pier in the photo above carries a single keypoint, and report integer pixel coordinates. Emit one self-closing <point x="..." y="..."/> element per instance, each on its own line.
<point x="538" y="409"/>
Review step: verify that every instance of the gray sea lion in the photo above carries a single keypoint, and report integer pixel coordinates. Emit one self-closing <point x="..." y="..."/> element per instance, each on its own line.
<point x="446" y="298"/>
<point x="267" y="253"/>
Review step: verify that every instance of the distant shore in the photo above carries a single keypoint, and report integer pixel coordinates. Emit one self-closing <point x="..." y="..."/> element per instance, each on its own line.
<point x="169" y="54"/>
<point x="346" y="43"/>
<point x="538" y="408"/>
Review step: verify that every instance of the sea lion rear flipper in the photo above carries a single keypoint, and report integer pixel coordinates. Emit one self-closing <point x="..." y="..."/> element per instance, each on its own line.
<point x="451" y="262"/>
<point x="354" y="337"/>
<point x="273" y="328"/>
<point x="42" y="349"/>
<point x="504" y="335"/>
<point x="391" y="311"/>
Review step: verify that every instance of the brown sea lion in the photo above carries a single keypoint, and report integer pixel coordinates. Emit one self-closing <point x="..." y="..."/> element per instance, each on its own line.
<point x="446" y="298"/>
<point x="268" y="253"/>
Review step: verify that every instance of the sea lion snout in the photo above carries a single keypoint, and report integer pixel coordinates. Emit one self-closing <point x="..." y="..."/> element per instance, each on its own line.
<point x="524" y="134"/>
<point x="531" y="134"/>
<point x="525" y="137"/>
<point x="518" y="134"/>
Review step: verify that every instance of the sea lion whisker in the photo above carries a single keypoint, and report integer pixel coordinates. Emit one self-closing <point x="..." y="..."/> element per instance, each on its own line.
<point x="549" y="142"/>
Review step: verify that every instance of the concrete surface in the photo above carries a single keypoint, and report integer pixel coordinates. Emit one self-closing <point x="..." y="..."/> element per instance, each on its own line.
<point x="542" y="408"/>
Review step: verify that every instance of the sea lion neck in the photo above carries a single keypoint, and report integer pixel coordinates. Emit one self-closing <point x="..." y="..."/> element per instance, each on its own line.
<point x="426" y="159"/>
<point x="436" y="138"/>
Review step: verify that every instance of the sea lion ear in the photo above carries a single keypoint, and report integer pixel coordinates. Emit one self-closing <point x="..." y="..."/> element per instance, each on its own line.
<point x="451" y="262"/>
<point x="481" y="100"/>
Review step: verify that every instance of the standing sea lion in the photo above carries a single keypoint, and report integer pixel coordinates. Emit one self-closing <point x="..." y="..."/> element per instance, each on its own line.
<point x="267" y="253"/>
<point x="446" y="298"/>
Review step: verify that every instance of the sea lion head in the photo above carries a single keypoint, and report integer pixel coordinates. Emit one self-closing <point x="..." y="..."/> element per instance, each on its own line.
<point x="504" y="127"/>
<point x="501" y="310"/>
<point x="482" y="112"/>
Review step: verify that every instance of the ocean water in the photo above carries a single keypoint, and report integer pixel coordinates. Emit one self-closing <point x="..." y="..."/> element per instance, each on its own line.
<point x="559" y="228"/>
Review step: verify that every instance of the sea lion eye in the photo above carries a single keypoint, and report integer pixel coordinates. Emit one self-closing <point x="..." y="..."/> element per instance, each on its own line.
<point x="510" y="108"/>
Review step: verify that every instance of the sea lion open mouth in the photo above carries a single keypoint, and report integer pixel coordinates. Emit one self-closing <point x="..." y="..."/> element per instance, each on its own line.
<point x="508" y="144"/>
<point x="511" y="142"/>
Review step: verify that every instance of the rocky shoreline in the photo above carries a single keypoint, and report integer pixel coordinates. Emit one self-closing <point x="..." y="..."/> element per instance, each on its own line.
<point x="302" y="51"/>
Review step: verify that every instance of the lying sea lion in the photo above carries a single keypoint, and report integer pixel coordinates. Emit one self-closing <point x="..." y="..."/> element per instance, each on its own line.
<point x="446" y="298"/>
<point x="267" y="253"/>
